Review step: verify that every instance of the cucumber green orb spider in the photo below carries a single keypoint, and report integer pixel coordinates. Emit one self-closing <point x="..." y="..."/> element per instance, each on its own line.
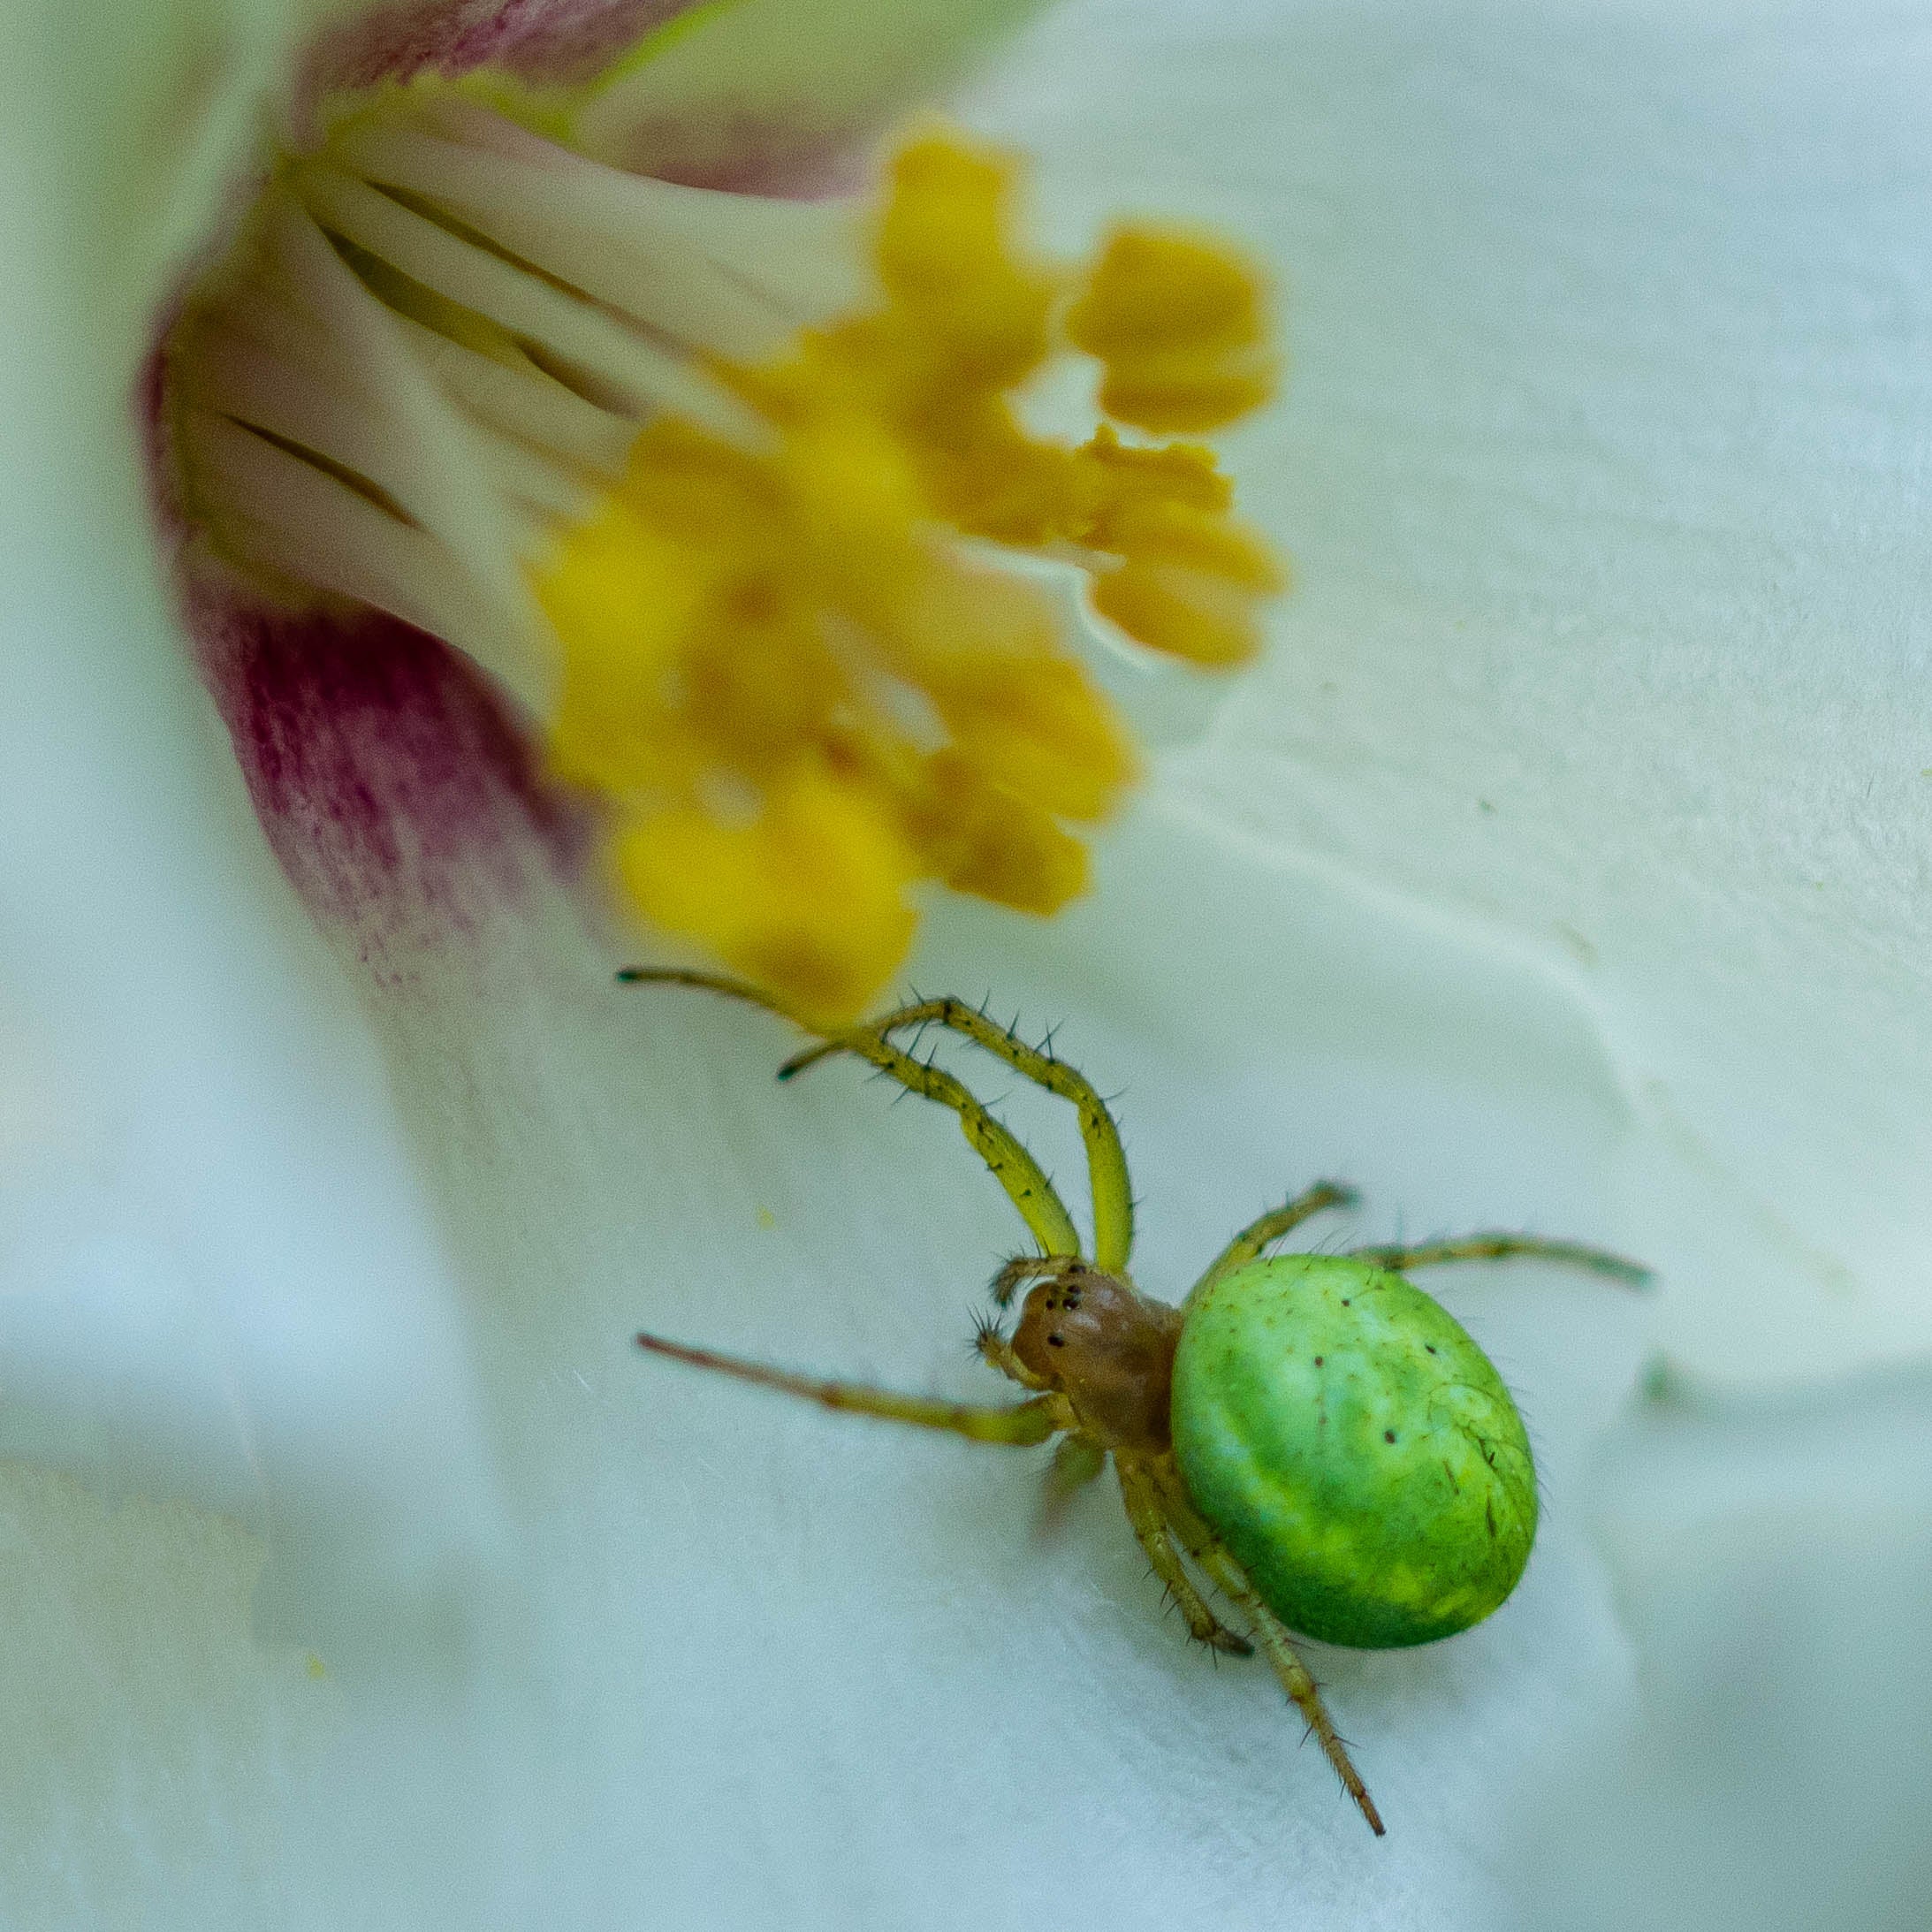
<point x="1309" y="1436"/>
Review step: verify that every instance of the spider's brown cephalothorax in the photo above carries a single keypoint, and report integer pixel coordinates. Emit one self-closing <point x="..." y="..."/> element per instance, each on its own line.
<point x="1310" y="1437"/>
<point x="1108" y="1350"/>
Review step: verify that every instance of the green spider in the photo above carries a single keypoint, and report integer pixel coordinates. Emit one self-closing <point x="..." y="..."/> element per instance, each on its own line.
<point x="1320" y="1438"/>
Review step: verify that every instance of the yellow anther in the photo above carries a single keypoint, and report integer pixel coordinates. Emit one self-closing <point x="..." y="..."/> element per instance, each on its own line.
<point x="1038" y="729"/>
<point x="989" y="476"/>
<point x="1180" y="322"/>
<point x="810" y="896"/>
<point x="976" y="313"/>
<point x="1119" y="475"/>
<point x="983" y="839"/>
<point x="626" y="606"/>
<point x="799" y="694"/>
<point x="1188" y="584"/>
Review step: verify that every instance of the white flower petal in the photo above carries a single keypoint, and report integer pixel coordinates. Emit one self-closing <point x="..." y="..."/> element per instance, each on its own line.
<point x="1600" y="473"/>
<point x="746" y="1659"/>
<point x="218" y="1273"/>
<point x="783" y="1659"/>
<point x="1773" y="1560"/>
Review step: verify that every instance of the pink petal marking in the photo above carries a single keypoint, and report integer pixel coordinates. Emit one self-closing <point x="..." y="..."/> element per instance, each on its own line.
<point x="398" y="795"/>
<point x="539" y="40"/>
<point x="760" y="148"/>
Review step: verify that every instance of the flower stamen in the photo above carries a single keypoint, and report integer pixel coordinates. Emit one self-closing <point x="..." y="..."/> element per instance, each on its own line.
<point x="833" y="563"/>
<point x="722" y="490"/>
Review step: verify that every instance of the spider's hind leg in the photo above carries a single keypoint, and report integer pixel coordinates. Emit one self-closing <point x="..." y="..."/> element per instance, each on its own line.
<point x="1503" y="1247"/>
<point x="1143" y="1512"/>
<point x="1270" y="1632"/>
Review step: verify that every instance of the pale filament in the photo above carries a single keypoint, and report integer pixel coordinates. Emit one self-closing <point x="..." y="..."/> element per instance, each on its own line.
<point x="438" y="337"/>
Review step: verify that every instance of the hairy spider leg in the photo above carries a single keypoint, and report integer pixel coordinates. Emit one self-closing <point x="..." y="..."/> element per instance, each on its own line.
<point x="1008" y="1163"/>
<point x="1275" y="1642"/>
<point x="1107" y="1159"/>
<point x="1220" y="1564"/>
<point x="1151" y="1527"/>
<point x="1502" y="1247"/>
<point x="996" y="1351"/>
<point x="1031" y="1267"/>
<point x="1271" y="1226"/>
<point x="1021" y="1424"/>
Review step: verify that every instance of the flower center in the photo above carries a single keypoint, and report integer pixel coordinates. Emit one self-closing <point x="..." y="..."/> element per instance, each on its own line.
<point x="724" y="492"/>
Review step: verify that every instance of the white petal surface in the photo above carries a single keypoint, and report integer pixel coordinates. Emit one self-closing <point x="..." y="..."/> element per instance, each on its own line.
<point x="1773" y="1560"/>
<point x="1603" y="469"/>
<point x="218" y="1274"/>
<point x="217" y="1278"/>
<point x="761" y="88"/>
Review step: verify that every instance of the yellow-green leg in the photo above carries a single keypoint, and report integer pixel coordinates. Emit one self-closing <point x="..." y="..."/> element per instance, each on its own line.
<point x="1219" y="1564"/>
<point x="1279" y="1648"/>
<point x="1021" y="1424"/>
<point x="1032" y="1267"/>
<point x="993" y="1349"/>
<point x="1107" y="1160"/>
<point x="1502" y="1247"/>
<point x="1271" y="1226"/>
<point x="1151" y="1527"/>
<point x="1015" y="1170"/>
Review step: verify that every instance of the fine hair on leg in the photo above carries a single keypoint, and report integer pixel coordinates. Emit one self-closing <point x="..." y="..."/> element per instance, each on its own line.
<point x="1271" y="1226"/>
<point x="1020" y="1424"/>
<point x="1217" y="1561"/>
<point x="1505" y="1247"/>
<point x="1008" y="1163"/>
<point x="1107" y="1159"/>
<point x="1151" y="1527"/>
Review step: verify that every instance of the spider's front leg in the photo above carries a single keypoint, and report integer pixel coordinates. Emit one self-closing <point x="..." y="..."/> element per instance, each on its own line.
<point x="1008" y="1163"/>
<point x="1107" y="1160"/>
<point x="1020" y="1424"/>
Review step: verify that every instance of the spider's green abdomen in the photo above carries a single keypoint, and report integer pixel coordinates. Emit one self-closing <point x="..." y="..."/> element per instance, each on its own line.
<point x="1354" y="1448"/>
